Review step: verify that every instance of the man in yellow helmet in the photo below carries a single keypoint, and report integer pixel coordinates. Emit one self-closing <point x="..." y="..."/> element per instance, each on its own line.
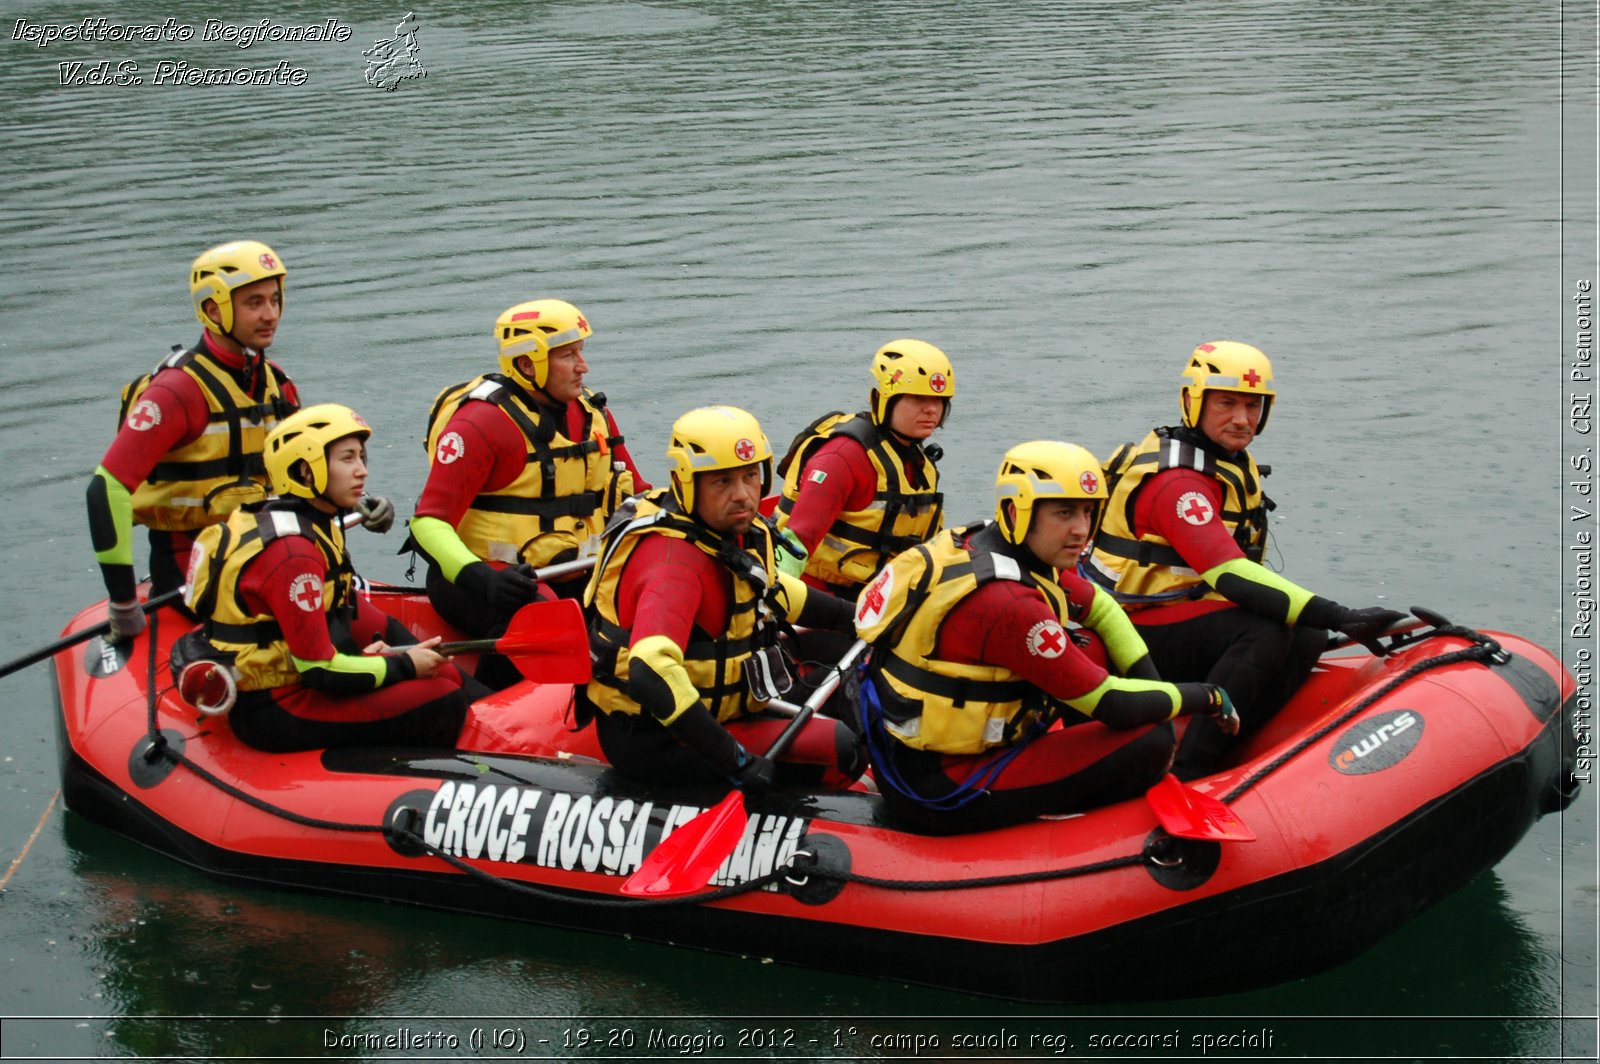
<point x="316" y="663"/>
<point x="973" y="661"/>
<point x="188" y="449"/>
<point x="1182" y="544"/>
<point x="685" y="606"/>
<point x="525" y="465"/>
<point x="860" y="488"/>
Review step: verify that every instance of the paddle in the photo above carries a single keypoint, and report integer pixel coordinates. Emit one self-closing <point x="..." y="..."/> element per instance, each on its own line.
<point x="1187" y="814"/>
<point x="84" y="635"/>
<point x="687" y="859"/>
<point x="547" y="641"/>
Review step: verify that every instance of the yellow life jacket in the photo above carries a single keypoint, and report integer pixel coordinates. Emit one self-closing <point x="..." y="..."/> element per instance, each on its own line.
<point x="566" y="489"/>
<point x="201" y="482"/>
<point x="715" y="661"/>
<point x="1146" y="569"/>
<point x="900" y="516"/>
<point x="929" y="703"/>
<point x="222" y="552"/>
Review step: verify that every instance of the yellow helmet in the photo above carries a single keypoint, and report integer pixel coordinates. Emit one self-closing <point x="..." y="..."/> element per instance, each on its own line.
<point x="305" y="436"/>
<point x="909" y="367"/>
<point x="1044" y="469"/>
<point x="532" y="329"/>
<point x="217" y="272"/>
<point x="1225" y="366"/>
<point x="711" y="438"/>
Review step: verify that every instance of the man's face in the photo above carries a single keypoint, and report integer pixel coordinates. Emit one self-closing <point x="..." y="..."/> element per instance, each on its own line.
<point x="257" y="307"/>
<point x="726" y="500"/>
<point x="1060" y="531"/>
<point x="1229" y="419"/>
<point x="564" y="382"/>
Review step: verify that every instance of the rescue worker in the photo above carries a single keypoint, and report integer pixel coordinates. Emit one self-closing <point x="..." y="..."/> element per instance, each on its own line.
<point x="972" y="663"/>
<point x="188" y="449"/>
<point x="316" y="663"/>
<point x="524" y="467"/>
<point x="685" y="606"/>
<point x="1182" y="546"/>
<point x="860" y="488"/>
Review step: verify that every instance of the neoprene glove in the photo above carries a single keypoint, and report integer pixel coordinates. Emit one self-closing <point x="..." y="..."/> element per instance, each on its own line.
<point x="127" y="621"/>
<point x="506" y="589"/>
<point x="377" y="513"/>
<point x="1368" y="622"/>
<point x="754" y="773"/>
<point x="791" y="554"/>
<point x="1222" y="711"/>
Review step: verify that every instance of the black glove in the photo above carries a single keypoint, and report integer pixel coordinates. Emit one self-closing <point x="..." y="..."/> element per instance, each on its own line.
<point x="754" y="773"/>
<point x="506" y="590"/>
<point x="1368" y="622"/>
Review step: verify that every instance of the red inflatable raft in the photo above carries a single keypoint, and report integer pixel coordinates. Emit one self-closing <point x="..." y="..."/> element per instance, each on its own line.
<point x="1386" y="784"/>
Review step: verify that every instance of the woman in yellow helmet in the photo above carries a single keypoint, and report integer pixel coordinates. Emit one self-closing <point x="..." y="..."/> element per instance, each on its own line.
<point x="274" y="588"/>
<point x="860" y="488"/>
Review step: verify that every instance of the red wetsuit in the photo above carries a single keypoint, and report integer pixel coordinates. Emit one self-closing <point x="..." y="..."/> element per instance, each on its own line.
<point x="670" y="587"/>
<point x="332" y="706"/>
<point x="174" y="413"/>
<point x="494" y="454"/>
<point x="848" y="483"/>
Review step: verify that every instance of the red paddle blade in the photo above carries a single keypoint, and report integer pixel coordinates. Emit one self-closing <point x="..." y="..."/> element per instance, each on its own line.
<point x="548" y="642"/>
<point x="687" y="859"/>
<point x="1187" y="814"/>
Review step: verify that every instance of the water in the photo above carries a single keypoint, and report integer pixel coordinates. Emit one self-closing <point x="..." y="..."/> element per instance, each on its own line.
<point x="1394" y="200"/>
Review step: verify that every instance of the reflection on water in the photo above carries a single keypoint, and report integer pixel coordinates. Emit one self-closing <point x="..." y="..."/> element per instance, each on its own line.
<point x="747" y="199"/>
<point x="164" y="942"/>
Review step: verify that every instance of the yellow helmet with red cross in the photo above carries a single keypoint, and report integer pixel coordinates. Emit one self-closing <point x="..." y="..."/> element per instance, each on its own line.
<point x="1225" y="366"/>
<point x="218" y="271"/>
<point x="1044" y="469"/>
<point x="535" y="329"/>
<point x="909" y="367"/>
<point x="712" y="438"/>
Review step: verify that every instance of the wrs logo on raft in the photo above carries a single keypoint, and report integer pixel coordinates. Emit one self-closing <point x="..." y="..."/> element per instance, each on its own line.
<point x="1377" y="743"/>
<point x="555" y="829"/>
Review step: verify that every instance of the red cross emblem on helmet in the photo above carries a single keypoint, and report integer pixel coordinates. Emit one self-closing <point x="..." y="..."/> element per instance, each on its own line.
<point x="1088" y="482"/>
<point x="1251" y="377"/>
<point x="937" y="383"/>
<point x="745" y="450"/>
<point x="268" y="262"/>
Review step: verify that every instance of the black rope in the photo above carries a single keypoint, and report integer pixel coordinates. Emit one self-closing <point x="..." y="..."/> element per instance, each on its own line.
<point x="1483" y="648"/>
<point x="970" y="884"/>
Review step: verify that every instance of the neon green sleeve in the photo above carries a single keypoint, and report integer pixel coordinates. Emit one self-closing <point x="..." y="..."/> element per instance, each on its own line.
<point x="1258" y="588"/>
<point x="1108" y="621"/>
<point x="118" y="514"/>
<point x="1130" y="702"/>
<point x="443" y="545"/>
<point x="344" y="674"/>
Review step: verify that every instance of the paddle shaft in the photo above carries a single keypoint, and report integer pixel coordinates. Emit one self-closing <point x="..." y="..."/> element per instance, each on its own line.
<point x="65" y="642"/>
<point x="82" y="637"/>
<point x="824" y="690"/>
